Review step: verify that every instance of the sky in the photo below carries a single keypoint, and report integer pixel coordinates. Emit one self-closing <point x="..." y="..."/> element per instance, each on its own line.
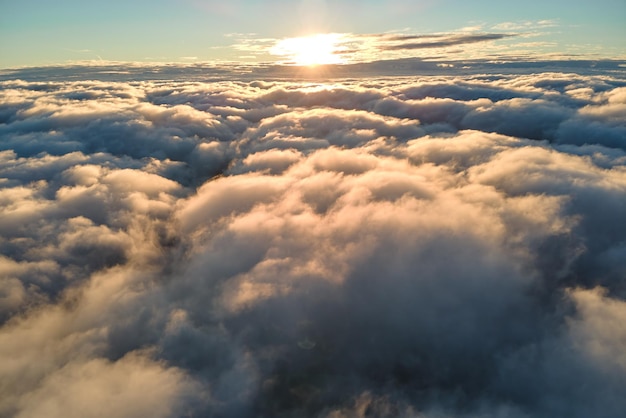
<point x="312" y="209"/>
<point x="38" y="32"/>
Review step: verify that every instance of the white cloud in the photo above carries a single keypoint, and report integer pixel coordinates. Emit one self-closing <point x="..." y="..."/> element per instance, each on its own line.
<point x="526" y="25"/>
<point x="130" y="387"/>
<point x="441" y="245"/>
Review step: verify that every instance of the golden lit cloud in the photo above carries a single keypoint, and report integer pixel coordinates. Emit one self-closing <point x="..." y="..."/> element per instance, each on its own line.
<point x="399" y="238"/>
<point x="349" y="48"/>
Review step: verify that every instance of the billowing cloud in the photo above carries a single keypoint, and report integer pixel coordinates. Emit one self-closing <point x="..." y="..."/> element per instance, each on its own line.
<point x="442" y="245"/>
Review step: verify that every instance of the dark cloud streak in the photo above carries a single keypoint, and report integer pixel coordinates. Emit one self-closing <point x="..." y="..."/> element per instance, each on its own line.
<point x="443" y="41"/>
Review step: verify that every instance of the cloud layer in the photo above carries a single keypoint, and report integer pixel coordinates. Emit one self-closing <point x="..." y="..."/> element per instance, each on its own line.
<point x="378" y="246"/>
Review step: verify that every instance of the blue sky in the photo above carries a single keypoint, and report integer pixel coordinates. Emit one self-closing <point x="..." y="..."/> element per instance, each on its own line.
<point x="40" y="32"/>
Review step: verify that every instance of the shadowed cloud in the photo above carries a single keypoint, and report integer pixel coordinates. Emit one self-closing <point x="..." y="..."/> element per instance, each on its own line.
<point x="441" y="41"/>
<point x="435" y="245"/>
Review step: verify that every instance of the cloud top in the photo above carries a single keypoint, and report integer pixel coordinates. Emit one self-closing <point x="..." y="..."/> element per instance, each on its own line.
<point x="384" y="246"/>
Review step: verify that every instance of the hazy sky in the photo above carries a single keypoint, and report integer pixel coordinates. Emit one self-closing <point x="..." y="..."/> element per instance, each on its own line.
<point x="39" y="32"/>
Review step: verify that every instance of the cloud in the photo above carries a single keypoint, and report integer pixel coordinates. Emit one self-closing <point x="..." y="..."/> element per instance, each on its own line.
<point x="259" y="245"/>
<point x="349" y="48"/>
<point x="526" y="25"/>
<point x="129" y="387"/>
<point x="445" y="42"/>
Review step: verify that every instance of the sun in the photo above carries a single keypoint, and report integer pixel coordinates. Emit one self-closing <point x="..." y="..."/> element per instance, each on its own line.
<point x="319" y="49"/>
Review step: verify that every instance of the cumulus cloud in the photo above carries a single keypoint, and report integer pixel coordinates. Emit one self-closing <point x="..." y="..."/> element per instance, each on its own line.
<point x="443" y="245"/>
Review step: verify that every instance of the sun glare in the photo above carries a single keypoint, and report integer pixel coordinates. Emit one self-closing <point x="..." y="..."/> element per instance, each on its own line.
<point x="311" y="50"/>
